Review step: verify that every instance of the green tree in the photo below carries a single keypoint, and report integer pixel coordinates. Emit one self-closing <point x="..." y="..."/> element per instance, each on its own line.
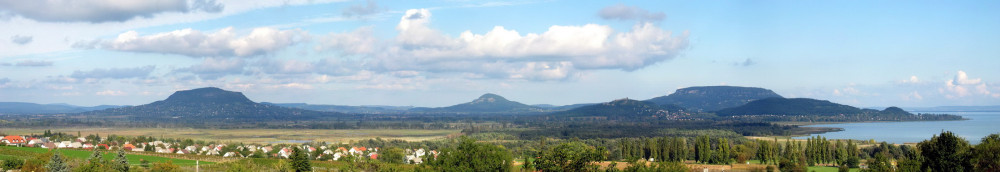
<point x="392" y="155"/>
<point x="300" y="160"/>
<point x="987" y="154"/>
<point x="703" y="149"/>
<point x="945" y="152"/>
<point x="168" y="166"/>
<point x="881" y="162"/>
<point x="121" y="163"/>
<point x="471" y="156"/>
<point x="57" y="164"/>
<point x="570" y="156"/>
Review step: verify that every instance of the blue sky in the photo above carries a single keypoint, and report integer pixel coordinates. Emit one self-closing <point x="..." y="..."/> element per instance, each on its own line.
<point x="439" y="53"/>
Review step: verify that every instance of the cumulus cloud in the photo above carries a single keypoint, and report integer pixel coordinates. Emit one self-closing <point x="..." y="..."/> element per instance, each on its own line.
<point x="21" y="40"/>
<point x="361" y="10"/>
<point x="961" y="86"/>
<point x="623" y="12"/>
<point x="98" y="11"/>
<point x="114" y="73"/>
<point x="360" y="41"/>
<point x="212" y="68"/>
<point x="504" y="53"/>
<point x="33" y="63"/>
<point x="110" y="93"/>
<point x="911" y="80"/>
<point x="194" y="43"/>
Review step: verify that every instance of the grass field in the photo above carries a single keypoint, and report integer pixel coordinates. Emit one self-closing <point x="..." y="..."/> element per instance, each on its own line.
<point x="250" y="135"/>
<point x="108" y="155"/>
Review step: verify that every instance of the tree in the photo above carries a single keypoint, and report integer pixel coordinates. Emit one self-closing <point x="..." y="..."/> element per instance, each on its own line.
<point x="881" y="162"/>
<point x="300" y="160"/>
<point x="392" y="155"/>
<point x="945" y="152"/>
<point x="165" y="167"/>
<point x="703" y="149"/>
<point x="987" y="154"/>
<point x="471" y="156"/>
<point x="57" y="164"/>
<point x="570" y="156"/>
<point x="121" y="163"/>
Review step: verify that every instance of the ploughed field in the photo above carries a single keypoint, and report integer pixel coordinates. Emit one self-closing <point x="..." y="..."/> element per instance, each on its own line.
<point x="261" y="136"/>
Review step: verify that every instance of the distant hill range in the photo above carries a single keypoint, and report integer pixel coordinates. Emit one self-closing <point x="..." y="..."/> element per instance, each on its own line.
<point x="346" y="109"/>
<point x="487" y="103"/>
<point x="795" y="106"/>
<point x="823" y="110"/>
<point x="34" y="108"/>
<point x="210" y="103"/>
<point x="621" y="109"/>
<point x="713" y="98"/>
<point x="956" y="109"/>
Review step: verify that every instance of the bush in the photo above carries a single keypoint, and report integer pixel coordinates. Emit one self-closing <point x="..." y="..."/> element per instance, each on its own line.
<point x="10" y="163"/>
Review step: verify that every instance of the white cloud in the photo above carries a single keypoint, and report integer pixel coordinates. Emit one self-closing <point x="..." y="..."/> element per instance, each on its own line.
<point x="212" y="68"/>
<point x="34" y="63"/>
<point x="97" y="11"/>
<point x="360" y="41"/>
<point x="21" y="40"/>
<point x="961" y="86"/>
<point x="622" y="12"/>
<point x="114" y="73"/>
<point x="503" y="53"/>
<point x="194" y="43"/>
<point x="362" y="10"/>
<point x="110" y="93"/>
<point x="911" y="80"/>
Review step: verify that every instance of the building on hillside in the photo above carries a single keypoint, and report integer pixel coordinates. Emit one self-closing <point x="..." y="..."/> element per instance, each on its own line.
<point x="14" y="140"/>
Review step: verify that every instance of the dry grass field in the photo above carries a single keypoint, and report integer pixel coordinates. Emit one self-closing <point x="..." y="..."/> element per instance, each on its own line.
<point x="251" y="135"/>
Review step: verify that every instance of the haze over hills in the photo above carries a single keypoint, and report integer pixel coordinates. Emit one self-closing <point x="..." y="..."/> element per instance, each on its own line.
<point x="713" y="98"/>
<point x="210" y="103"/>
<point x="34" y="108"/>
<point x="487" y="103"/>
<point x="345" y="108"/>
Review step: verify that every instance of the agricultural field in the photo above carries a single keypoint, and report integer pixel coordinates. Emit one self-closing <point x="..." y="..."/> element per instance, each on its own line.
<point x="108" y="155"/>
<point x="261" y="136"/>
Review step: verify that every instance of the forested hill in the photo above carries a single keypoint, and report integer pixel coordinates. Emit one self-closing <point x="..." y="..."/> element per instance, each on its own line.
<point x="210" y="103"/>
<point x="487" y="103"/>
<point x="799" y="109"/>
<point x="621" y="109"/>
<point x="712" y="98"/>
<point x="795" y="106"/>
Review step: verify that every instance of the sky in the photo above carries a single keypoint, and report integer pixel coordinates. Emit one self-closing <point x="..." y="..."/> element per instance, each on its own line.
<point x="440" y="53"/>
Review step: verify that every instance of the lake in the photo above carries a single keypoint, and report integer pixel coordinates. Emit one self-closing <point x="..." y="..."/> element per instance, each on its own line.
<point x="979" y="125"/>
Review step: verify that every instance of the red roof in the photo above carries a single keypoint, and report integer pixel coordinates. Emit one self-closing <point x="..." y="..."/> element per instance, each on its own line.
<point x="14" y="139"/>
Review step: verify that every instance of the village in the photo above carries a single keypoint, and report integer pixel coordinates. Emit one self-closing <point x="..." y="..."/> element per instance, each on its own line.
<point x="316" y="151"/>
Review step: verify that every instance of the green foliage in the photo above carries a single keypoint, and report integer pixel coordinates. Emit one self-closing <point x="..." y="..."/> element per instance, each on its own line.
<point x="57" y="164"/>
<point x="300" y="160"/>
<point x="471" y="156"/>
<point x="121" y="162"/>
<point x="392" y="155"/>
<point x="640" y="166"/>
<point x="11" y="163"/>
<point x="987" y="153"/>
<point x="36" y="165"/>
<point x="165" y="167"/>
<point x="880" y="163"/>
<point x="570" y="156"/>
<point x="946" y="152"/>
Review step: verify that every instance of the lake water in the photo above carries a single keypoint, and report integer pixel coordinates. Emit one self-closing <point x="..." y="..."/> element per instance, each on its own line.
<point x="979" y="125"/>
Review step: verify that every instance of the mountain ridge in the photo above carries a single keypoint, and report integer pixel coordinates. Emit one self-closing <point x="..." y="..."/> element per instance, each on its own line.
<point x="713" y="98"/>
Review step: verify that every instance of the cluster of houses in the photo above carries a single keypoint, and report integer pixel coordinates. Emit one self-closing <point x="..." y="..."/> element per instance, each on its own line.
<point x="321" y="153"/>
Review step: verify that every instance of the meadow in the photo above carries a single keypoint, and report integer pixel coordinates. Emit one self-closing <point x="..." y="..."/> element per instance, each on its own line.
<point x="84" y="154"/>
<point x="260" y="136"/>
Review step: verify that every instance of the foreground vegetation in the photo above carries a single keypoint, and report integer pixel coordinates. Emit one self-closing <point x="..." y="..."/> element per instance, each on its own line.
<point x="944" y="152"/>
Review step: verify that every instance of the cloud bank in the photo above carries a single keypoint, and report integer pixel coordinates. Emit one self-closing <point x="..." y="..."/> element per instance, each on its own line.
<point x="98" y="11"/>
<point x="194" y="43"/>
